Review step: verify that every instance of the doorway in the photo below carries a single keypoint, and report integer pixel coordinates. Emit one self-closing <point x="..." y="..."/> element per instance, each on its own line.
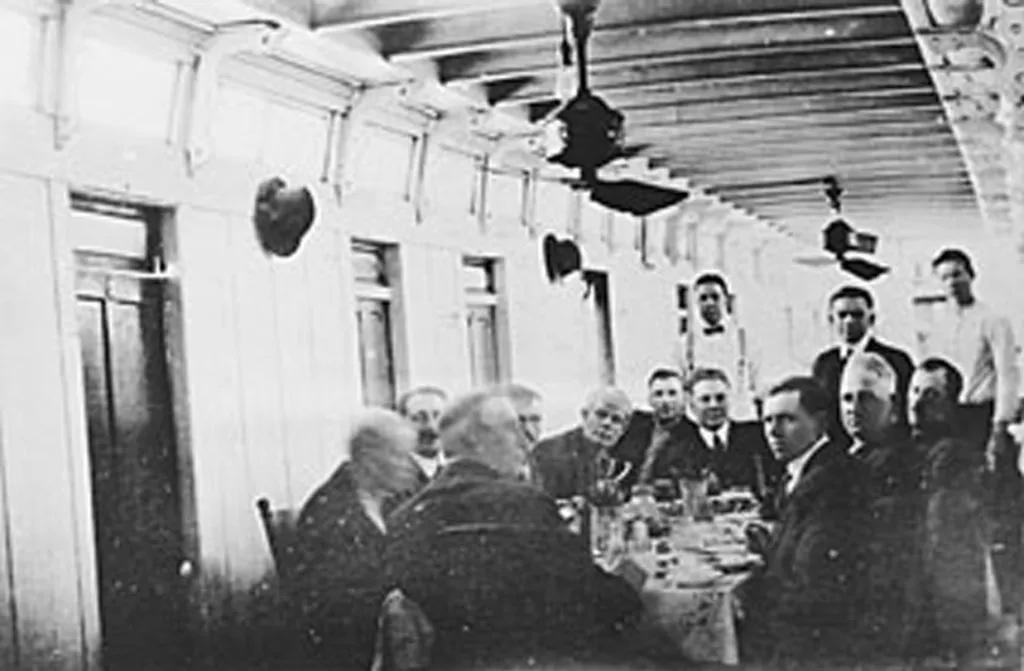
<point x="133" y="455"/>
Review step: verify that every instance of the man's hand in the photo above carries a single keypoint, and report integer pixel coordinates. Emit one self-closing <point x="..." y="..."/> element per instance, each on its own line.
<point x="757" y="538"/>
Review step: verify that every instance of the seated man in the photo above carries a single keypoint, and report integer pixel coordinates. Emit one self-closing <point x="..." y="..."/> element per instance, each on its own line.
<point x="422" y="406"/>
<point x="339" y="549"/>
<point x="570" y="463"/>
<point x="736" y="452"/>
<point x="953" y="608"/>
<point x="529" y="405"/>
<point x="869" y="407"/>
<point x="488" y="558"/>
<point x="802" y="607"/>
<point x="661" y="444"/>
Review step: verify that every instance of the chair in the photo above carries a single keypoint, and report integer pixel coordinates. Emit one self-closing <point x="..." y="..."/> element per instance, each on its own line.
<point x="279" y="526"/>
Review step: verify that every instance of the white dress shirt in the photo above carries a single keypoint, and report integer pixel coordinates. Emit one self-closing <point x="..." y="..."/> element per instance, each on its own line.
<point x="981" y="344"/>
<point x="795" y="468"/>
<point x="429" y="465"/>
<point x="709" y="436"/>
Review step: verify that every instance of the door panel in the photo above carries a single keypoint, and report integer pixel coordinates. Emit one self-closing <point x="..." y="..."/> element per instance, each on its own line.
<point x="134" y="473"/>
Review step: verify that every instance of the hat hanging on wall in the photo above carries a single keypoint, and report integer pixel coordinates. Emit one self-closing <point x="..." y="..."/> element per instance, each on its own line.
<point x="282" y="216"/>
<point x="561" y="257"/>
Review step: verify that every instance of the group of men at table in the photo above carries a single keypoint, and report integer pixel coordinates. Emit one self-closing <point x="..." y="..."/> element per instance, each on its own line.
<point x="877" y="552"/>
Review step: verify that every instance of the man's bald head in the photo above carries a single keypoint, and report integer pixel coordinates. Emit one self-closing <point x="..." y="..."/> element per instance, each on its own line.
<point x="484" y="427"/>
<point x="605" y="414"/>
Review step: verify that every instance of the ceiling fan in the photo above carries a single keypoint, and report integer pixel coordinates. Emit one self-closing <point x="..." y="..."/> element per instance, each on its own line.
<point x="841" y="239"/>
<point x="586" y="133"/>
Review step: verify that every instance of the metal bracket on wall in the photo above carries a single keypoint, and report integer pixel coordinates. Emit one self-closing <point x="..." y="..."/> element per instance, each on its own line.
<point x="228" y="39"/>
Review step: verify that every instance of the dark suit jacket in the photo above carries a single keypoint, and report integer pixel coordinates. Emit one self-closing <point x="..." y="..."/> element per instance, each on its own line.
<point x="564" y="464"/>
<point x="828" y="370"/>
<point x="339" y="576"/>
<point x="495" y="570"/>
<point x="804" y="604"/>
<point x="746" y="460"/>
<point x="682" y="455"/>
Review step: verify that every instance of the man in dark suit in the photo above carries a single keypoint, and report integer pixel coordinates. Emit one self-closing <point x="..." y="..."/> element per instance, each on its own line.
<point x="570" y="463"/>
<point x="661" y="444"/>
<point x="489" y="560"/>
<point x="736" y="452"/>
<point x="852" y="316"/>
<point x="803" y="605"/>
<point x="952" y="609"/>
<point x="868" y="405"/>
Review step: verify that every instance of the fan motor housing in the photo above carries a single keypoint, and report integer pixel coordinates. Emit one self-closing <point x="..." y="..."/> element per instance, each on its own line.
<point x="591" y="133"/>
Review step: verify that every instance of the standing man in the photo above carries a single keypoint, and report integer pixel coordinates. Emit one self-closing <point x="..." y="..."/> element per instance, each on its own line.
<point x="736" y="451"/>
<point x="423" y="406"/>
<point x="852" y="317"/>
<point x="804" y="604"/>
<point x="716" y="341"/>
<point x="981" y="344"/>
<point x="570" y="463"/>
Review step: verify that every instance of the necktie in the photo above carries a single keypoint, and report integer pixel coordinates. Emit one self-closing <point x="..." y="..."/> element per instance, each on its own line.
<point x="717" y="445"/>
<point x="782" y="495"/>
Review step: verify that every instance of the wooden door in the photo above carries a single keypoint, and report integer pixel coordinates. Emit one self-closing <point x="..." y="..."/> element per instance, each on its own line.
<point x="134" y="467"/>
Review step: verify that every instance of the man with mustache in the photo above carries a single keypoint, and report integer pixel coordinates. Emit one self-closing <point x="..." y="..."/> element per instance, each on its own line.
<point x="423" y="406"/>
<point x="570" y="463"/>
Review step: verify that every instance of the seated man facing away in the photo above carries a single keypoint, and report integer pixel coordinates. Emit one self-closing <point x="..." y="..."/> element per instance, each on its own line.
<point x="489" y="560"/>
<point x="340" y="579"/>
<point x="736" y="452"/>
<point x="953" y="607"/>
<point x="570" y="463"/>
<point x="802" y="607"/>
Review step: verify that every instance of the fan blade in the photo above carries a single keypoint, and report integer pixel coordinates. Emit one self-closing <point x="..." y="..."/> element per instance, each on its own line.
<point x="863" y="268"/>
<point x="633" y="197"/>
<point x="816" y="261"/>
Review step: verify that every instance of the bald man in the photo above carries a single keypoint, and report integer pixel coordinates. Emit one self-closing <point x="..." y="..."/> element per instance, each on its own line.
<point x="489" y="560"/>
<point x="569" y="463"/>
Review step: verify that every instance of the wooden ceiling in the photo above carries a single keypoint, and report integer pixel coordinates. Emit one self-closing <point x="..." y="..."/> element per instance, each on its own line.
<point x="753" y="101"/>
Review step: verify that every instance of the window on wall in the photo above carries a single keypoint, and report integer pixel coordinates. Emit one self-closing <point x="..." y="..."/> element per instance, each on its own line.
<point x="479" y="283"/>
<point x="126" y="89"/>
<point x="18" y="40"/>
<point x="373" y="268"/>
<point x="600" y="300"/>
<point x="683" y="308"/>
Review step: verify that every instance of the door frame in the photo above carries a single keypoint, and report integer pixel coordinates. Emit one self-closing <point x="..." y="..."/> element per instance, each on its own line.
<point x="161" y="217"/>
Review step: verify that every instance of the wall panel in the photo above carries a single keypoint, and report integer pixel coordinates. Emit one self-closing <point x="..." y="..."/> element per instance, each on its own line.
<point x="40" y="506"/>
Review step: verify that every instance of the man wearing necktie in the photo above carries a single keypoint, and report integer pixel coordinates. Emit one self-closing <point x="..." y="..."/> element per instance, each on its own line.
<point x="422" y="407"/>
<point x="716" y="341"/>
<point x="737" y="451"/>
<point x="852" y="317"/>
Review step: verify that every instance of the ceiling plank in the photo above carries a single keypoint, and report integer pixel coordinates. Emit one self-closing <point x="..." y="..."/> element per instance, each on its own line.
<point x="767" y="109"/>
<point x="538" y="26"/>
<point x="358" y="14"/>
<point x="850" y="185"/>
<point x="761" y="40"/>
<point x="722" y="64"/>
<point x="770" y="145"/>
<point x="852" y="156"/>
<point x="783" y="172"/>
<point x="541" y="89"/>
<point x="298" y="12"/>
<point x="795" y="138"/>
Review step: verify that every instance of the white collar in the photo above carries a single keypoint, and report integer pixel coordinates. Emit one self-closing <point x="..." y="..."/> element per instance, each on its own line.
<point x="845" y="349"/>
<point x="429" y="465"/>
<point x="709" y="436"/>
<point x="796" y="467"/>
